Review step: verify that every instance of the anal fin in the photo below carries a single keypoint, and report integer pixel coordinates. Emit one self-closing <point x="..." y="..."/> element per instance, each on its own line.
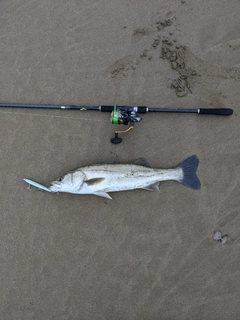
<point x="102" y="194"/>
<point x="152" y="187"/>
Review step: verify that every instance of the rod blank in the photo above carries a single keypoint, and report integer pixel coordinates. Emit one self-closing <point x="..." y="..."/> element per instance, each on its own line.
<point x="47" y="106"/>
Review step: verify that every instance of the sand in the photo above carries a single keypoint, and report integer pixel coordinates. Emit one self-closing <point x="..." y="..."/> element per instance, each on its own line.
<point x="142" y="255"/>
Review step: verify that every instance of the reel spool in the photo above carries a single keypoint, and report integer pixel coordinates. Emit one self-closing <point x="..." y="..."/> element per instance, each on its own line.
<point x="120" y="116"/>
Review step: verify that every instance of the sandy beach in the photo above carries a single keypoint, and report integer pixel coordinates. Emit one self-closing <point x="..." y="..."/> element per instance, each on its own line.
<point x="142" y="255"/>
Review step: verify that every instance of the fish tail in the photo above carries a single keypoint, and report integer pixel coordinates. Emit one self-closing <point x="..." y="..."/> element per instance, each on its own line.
<point x="189" y="168"/>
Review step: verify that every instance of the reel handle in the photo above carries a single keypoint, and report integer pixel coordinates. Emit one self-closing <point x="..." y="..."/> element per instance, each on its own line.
<point x="117" y="139"/>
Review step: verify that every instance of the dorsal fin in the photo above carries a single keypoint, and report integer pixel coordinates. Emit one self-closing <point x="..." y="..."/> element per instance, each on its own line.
<point x="141" y="162"/>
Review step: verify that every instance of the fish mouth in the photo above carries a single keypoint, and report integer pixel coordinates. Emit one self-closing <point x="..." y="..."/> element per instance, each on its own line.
<point x="55" y="186"/>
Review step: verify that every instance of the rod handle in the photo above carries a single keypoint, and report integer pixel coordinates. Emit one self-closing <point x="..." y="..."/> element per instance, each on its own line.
<point x="219" y="111"/>
<point x="139" y="109"/>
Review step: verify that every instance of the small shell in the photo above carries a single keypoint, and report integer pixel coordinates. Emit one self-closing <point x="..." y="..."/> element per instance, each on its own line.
<point x="217" y="235"/>
<point x="224" y="239"/>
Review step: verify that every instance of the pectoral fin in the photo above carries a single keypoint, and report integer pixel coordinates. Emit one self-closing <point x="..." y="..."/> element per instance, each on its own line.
<point x="94" y="181"/>
<point x="102" y="194"/>
<point x="152" y="187"/>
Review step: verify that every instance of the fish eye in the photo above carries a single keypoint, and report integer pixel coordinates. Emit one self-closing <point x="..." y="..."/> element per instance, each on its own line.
<point x="60" y="179"/>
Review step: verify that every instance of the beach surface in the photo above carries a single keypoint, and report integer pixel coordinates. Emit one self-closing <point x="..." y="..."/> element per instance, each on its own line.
<point x="143" y="255"/>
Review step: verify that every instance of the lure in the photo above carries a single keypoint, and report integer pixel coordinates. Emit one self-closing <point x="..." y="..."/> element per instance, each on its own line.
<point x="36" y="184"/>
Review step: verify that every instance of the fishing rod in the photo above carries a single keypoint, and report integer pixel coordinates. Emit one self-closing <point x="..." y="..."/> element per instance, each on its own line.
<point x="122" y="115"/>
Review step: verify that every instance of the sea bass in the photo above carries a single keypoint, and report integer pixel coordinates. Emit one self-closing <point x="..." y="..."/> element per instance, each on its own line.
<point x="103" y="178"/>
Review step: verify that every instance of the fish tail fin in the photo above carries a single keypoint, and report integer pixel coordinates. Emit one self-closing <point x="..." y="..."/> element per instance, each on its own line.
<point x="189" y="168"/>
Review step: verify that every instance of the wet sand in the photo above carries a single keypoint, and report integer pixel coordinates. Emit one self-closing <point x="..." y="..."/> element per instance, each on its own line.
<point x="142" y="255"/>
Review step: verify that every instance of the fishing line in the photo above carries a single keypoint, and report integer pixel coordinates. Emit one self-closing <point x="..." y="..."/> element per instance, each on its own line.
<point x="50" y="116"/>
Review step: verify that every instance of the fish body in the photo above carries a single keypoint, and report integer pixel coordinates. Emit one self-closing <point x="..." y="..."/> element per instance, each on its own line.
<point x="36" y="184"/>
<point x="103" y="178"/>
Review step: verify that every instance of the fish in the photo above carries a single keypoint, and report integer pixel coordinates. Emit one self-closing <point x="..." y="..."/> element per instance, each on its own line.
<point x="36" y="184"/>
<point x="102" y="178"/>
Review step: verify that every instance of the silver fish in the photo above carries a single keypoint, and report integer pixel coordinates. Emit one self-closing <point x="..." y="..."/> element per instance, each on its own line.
<point x="103" y="178"/>
<point x="36" y="184"/>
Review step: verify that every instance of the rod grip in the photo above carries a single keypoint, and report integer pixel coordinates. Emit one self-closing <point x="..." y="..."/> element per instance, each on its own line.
<point x="219" y="111"/>
<point x="107" y="108"/>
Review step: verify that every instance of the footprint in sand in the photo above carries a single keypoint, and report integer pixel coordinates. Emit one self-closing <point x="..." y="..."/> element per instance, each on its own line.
<point x="123" y="66"/>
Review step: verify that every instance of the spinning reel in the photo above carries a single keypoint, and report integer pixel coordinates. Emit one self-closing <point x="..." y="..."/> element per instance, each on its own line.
<point x="122" y="115"/>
